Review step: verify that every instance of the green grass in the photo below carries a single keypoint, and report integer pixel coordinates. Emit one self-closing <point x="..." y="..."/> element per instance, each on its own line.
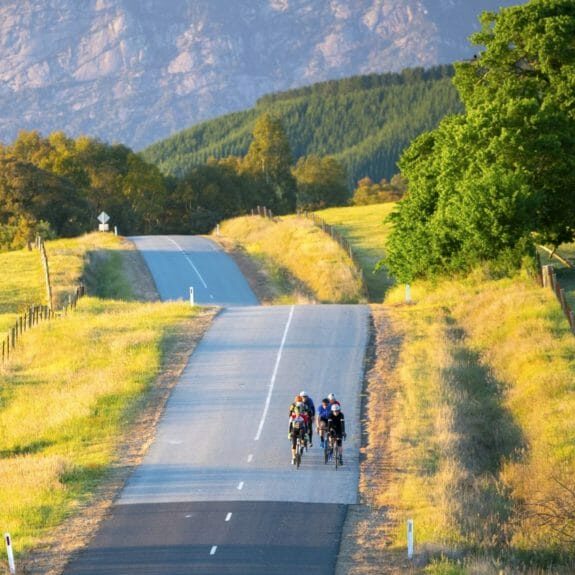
<point x="365" y="229"/>
<point x="21" y="284"/>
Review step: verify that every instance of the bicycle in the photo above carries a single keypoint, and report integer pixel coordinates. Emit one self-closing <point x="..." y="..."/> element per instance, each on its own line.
<point x="332" y="450"/>
<point x="300" y="445"/>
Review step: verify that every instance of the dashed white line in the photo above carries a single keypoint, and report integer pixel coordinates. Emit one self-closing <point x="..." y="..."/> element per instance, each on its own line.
<point x="229" y="516"/>
<point x="213" y="550"/>
<point x="189" y="261"/>
<point x="274" y="375"/>
<point x="241" y="485"/>
<point x="250" y="457"/>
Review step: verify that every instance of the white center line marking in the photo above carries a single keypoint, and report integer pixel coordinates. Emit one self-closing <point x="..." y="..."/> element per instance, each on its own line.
<point x="228" y="516"/>
<point x="274" y="375"/>
<point x="189" y="261"/>
<point x="250" y="457"/>
<point x="213" y="550"/>
<point x="241" y="485"/>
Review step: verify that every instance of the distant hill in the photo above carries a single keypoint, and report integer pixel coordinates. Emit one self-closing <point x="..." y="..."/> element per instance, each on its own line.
<point x="364" y="121"/>
<point x="136" y="71"/>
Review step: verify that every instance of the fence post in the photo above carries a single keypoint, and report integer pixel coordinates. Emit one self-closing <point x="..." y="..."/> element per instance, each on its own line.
<point x="562" y="299"/>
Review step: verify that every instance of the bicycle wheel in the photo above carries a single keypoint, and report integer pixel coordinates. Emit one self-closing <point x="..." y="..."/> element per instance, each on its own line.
<point x="336" y="455"/>
<point x="326" y="452"/>
<point x="297" y="459"/>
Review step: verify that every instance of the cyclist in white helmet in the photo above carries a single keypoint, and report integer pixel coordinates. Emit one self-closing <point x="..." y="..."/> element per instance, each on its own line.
<point x="308" y="402"/>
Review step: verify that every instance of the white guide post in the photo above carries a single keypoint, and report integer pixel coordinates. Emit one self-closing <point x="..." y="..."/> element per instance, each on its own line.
<point x="11" y="563"/>
<point x="407" y="293"/>
<point x="410" y="537"/>
<point x="192" y="296"/>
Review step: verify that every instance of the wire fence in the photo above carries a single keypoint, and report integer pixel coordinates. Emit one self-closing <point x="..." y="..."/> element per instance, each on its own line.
<point x="330" y="230"/>
<point x="548" y="279"/>
<point x="37" y="314"/>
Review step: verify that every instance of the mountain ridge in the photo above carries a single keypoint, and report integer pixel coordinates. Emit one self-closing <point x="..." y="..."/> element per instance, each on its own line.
<point x="137" y="71"/>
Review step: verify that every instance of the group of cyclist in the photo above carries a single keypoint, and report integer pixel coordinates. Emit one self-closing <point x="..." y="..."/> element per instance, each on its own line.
<point x="329" y="420"/>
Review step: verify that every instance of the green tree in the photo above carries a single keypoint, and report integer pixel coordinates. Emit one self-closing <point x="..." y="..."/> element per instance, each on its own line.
<point x="485" y="185"/>
<point x="269" y="160"/>
<point x="321" y="182"/>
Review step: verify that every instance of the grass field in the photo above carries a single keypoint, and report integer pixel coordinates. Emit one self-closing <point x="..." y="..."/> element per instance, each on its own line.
<point x="477" y="465"/>
<point x="294" y="248"/>
<point x="74" y="386"/>
<point x="22" y="284"/>
<point x="366" y="230"/>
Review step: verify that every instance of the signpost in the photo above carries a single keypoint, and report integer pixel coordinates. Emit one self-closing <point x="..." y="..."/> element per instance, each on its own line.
<point x="11" y="563"/>
<point x="410" y="537"/>
<point x="103" y="218"/>
<point x="192" y="296"/>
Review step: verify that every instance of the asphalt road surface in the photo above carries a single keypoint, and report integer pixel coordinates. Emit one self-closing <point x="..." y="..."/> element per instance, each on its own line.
<point x="180" y="262"/>
<point x="216" y="492"/>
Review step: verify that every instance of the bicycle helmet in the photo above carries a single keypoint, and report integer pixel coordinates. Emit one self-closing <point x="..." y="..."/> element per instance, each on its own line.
<point x="331" y="397"/>
<point x="325" y="400"/>
<point x="303" y="393"/>
<point x="335" y="408"/>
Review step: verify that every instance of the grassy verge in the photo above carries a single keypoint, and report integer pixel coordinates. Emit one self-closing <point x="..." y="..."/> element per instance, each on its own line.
<point x="365" y="229"/>
<point x="22" y="284"/>
<point x="476" y="464"/>
<point x="71" y="393"/>
<point x="298" y="258"/>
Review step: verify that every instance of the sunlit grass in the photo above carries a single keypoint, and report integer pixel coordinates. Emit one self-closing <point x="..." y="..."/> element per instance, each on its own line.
<point x="486" y="412"/>
<point x="306" y="252"/>
<point x="21" y="285"/>
<point x="74" y="385"/>
<point x="66" y="398"/>
<point x="366" y="229"/>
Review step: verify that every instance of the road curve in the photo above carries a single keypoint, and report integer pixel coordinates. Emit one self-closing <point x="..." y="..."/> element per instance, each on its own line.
<point x="216" y="492"/>
<point x="180" y="262"/>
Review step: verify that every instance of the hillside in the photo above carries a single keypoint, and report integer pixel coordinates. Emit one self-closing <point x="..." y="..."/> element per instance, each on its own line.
<point x="135" y="72"/>
<point x="364" y="121"/>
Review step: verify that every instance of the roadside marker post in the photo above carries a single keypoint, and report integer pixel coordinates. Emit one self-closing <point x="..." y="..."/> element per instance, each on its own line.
<point x="407" y="293"/>
<point x="192" y="296"/>
<point x="11" y="563"/>
<point x="410" y="539"/>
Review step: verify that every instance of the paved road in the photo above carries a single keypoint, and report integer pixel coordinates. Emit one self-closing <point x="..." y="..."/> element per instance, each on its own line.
<point x="180" y="262"/>
<point x="216" y="492"/>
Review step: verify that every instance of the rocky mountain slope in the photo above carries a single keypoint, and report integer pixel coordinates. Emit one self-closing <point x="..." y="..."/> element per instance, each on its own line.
<point x="136" y="71"/>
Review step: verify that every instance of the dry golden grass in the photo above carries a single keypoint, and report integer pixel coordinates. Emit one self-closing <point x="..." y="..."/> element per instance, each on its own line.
<point x="73" y="387"/>
<point x="295" y="247"/>
<point x="484" y="423"/>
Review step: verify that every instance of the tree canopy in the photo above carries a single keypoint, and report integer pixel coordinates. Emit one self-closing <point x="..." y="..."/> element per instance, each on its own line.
<point x="486" y="185"/>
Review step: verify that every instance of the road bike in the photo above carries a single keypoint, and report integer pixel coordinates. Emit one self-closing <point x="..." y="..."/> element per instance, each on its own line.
<point x="299" y="447"/>
<point x="332" y="450"/>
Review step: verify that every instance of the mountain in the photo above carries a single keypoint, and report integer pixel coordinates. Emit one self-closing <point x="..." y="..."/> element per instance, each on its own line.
<point x="365" y="122"/>
<point x="136" y="71"/>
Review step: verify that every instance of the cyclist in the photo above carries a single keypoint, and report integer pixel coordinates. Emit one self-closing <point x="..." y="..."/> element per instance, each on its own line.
<point x="333" y="400"/>
<point x="308" y="402"/>
<point x="298" y="399"/>
<point x="323" y="413"/>
<point x="336" y="427"/>
<point x="297" y="428"/>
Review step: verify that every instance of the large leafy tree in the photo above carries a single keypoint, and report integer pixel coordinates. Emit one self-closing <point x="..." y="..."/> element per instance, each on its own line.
<point x="321" y="182"/>
<point x="269" y="160"/>
<point x="488" y="184"/>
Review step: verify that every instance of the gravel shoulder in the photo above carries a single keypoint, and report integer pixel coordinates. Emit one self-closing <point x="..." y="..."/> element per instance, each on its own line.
<point x="366" y="541"/>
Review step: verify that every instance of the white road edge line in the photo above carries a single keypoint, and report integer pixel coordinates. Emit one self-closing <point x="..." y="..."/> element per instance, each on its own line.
<point x="250" y="457"/>
<point x="241" y="485"/>
<point x="229" y="516"/>
<point x="274" y="375"/>
<point x="213" y="550"/>
<point x="189" y="261"/>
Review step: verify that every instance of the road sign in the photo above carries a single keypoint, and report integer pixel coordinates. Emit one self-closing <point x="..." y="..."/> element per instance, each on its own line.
<point x="104" y="218"/>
